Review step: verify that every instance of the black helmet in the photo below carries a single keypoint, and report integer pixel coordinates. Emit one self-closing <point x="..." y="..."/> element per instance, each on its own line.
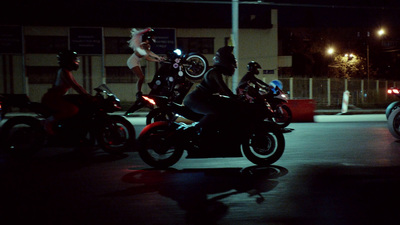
<point x="253" y="67"/>
<point x="225" y="60"/>
<point x="68" y="60"/>
<point x="149" y="35"/>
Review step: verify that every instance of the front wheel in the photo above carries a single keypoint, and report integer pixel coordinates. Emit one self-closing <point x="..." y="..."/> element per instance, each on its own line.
<point x="283" y="116"/>
<point x="195" y="66"/>
<point x="157" y="146"/>
<point x="265" y="145"/>
<point x="394" y="123"/>
<point x="116" y="134"/>
<point x="22" y="136"/>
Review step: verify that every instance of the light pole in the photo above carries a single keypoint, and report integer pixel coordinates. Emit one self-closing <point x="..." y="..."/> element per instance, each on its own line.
<point x="380" y="33"/>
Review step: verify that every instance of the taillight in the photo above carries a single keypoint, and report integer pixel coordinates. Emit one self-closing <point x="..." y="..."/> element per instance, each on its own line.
<point x="150" y="100"/>
<point x="393" y="91"/>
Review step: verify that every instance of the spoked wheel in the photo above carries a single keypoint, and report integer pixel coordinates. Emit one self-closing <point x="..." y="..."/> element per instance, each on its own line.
<point x="196" y="66"/>
<point x="159" y="114"/>
<point x="283" y="116"/>
<point x="22" y="136"/>
<point x="265" y="146"/>
<point x="157" y="147"/>
<point x="394" y="123"/>
<point x="116" y="135"/>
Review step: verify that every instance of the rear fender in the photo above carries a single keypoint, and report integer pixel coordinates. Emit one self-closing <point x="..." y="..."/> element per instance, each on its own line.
<point x="148" y="127"/>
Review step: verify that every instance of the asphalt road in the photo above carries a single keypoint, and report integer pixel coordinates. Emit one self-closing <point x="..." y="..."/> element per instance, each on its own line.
<point x="338" y="170"/>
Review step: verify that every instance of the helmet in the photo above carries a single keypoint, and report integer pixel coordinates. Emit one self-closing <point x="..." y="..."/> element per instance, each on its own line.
<point x="68" y="59"/>
<point x="149" y="36"/>
<point x="276" y="83"/>
<point x="225" y="60"/>
<point x="253" y="67"/>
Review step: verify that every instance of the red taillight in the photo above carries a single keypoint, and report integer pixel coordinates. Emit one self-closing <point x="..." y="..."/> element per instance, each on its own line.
<point x="393" y="91"/>
<point x="150" y="100"/>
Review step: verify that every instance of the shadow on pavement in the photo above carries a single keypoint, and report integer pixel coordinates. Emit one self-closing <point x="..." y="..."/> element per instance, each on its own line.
<point x="341" y="194"/>
<point x="199" y="192"/>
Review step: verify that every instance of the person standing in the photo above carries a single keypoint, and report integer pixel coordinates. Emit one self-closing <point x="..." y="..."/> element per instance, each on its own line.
<point x="140" y="43"/>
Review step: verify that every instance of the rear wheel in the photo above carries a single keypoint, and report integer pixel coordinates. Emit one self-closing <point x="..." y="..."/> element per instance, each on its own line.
<point x="196" y="66"/>
<point x="265" y="146"/>
<point x="116" y="135"/>
<point x="22" y="136"/>
<point x="157" y="147"/>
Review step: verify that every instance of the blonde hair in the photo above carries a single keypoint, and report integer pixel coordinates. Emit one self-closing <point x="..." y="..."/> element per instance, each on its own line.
<point x="133" y="41"/>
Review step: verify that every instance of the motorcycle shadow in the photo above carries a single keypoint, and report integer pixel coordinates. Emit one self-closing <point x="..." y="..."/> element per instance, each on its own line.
<point x="201" y="192"/>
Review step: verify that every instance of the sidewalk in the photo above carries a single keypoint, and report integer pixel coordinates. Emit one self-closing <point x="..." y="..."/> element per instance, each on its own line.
<point x="349" y="112"/>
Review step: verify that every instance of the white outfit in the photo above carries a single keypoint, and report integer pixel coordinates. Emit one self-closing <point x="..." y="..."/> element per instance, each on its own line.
<point x="136" y="45"/>
<point x="133" y="61"/>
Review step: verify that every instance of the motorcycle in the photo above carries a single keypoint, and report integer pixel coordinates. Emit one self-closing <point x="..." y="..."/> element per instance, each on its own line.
<point x="275" y="99"/>
<point x="393" y="114"/>
<point x="162" y="143"/>
<point x="175" y="77"/>
<point x="23" y="135"/>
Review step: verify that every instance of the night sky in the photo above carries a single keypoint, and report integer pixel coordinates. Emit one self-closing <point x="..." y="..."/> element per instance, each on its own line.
<point x="131" y="13"/>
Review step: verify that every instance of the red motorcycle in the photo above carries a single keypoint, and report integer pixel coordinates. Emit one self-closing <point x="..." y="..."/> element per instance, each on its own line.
<point x="23" y="135"/>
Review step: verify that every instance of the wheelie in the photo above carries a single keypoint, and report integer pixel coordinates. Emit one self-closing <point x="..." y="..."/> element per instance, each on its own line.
<point x="224" y="127"/>
<point x="173" y="79"/>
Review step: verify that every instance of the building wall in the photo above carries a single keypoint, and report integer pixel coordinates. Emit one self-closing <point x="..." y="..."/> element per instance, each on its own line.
<point x="260" y="45"/>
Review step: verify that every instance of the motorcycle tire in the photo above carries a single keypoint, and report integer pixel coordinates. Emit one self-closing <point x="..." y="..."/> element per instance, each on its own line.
<point x="265" y="145"/>
<point x="283" y="116"/>
<point x="22" y="136"/>
<point x="156" y="148"/>
<point x="394" y="123"/>
<point x="197" y="66"/>
<point x="116" y="135"/>
<point x="391" y="107"/>
<point x="160" y="114"/>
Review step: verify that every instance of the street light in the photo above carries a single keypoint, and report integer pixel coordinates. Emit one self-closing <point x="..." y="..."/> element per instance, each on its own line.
<point x="330" y="51"/>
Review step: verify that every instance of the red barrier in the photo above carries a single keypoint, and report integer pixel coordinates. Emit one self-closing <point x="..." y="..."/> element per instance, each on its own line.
<point x="303" y="110"/>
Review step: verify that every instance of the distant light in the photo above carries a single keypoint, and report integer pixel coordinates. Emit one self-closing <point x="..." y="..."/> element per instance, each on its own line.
<point x="330" y="51"/>
<point x="381" y="32"/>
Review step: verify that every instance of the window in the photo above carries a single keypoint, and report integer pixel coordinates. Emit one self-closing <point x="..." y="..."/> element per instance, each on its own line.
<point x="41" y="74"/>
<point x="200" y="45"/>
<point x="117" y="45"/>
<point x="45" y="44"/>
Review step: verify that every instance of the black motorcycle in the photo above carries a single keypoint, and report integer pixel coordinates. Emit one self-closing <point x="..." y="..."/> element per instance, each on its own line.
<point x="174" y="78"/>
<point x="23" y="135"/>
<point x="162" y="143"/>
<point x="393" y="114"/>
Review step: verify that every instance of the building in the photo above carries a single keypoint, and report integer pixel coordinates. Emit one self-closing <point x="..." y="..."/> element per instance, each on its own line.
<point x="28" y="62"/>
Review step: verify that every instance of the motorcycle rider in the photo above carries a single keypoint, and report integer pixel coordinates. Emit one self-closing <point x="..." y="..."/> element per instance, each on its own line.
<point x="250" y="77"/>
<point x="54" y="98"/>
<point x="140" y="43"/>
<point x="208" y="97"/>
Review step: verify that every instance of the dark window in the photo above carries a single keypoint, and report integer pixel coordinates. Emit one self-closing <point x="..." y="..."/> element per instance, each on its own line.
<point x="200" y="45"/>
<point x="117" y="45"/>
<point x="41" y="74"/>
<point x="45" y="44"/>
<point x="120" y="74"/>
